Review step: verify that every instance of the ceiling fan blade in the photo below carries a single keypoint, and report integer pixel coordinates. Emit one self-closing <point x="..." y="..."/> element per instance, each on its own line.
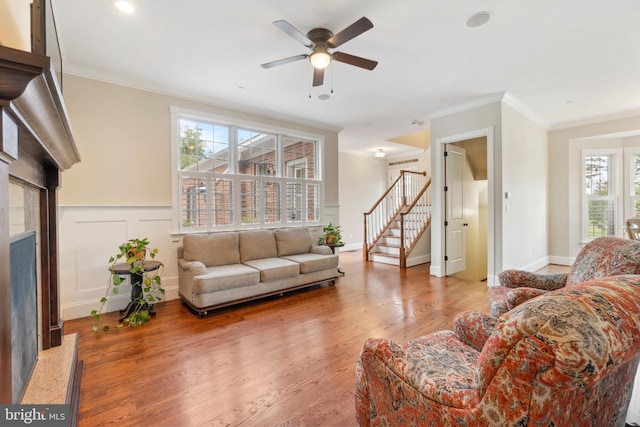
<point x="354" y="60"/>
<point x="293" y="32"/>
<point x="284" y="61"/>
<point x="353" y="30"/>
<point x="318" y="76"/>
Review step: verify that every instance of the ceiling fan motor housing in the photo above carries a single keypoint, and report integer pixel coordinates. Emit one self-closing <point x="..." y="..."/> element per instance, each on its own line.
<point x="319" y="37"/>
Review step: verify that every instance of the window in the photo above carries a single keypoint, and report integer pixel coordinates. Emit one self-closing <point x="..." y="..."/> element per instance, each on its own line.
<point x="600" y="205"/>
<point x="238" y="175"/>
<point x="633" y="156"/>
<point x="610" y="190"/>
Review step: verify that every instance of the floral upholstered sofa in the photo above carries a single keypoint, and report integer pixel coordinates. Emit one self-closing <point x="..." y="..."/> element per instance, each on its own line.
<point x="602" y="257"/>
<point x="567" y="358"/>
<point x="220" y="269"/>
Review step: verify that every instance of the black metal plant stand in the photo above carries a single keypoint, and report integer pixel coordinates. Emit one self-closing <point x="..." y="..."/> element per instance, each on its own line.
<point x="136" y="280"/>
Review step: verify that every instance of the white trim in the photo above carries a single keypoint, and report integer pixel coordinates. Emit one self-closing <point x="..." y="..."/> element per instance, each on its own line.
<point x="459" y="108"/>
<point x="351" y="247"/>
<point x="494" y="203"/>
<point x="517" y="105"/>
<point x="422" y="259"/>
<point x="561" y="260"/>
<point x="506" y="97"/>
<point x="595" y="120"/>
<point x="616" y="184"/>
<point x="233" y="124"/>
<point x="256" y="125"/>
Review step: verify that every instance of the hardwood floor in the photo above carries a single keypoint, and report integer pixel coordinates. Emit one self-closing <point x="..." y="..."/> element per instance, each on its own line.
<point x="279" y="361"/>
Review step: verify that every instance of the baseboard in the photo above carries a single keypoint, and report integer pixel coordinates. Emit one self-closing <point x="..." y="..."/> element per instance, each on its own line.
<point x="116" y="302"/>
<point x="422" y="259"/>
<point x="435" y="270"/>
<point x="351" y="247"/>
<point x="536" y="265"/>
<point x="561" y="260"/>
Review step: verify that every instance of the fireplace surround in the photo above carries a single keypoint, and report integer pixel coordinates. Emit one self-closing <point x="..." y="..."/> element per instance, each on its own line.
<point x="36" y="145"/>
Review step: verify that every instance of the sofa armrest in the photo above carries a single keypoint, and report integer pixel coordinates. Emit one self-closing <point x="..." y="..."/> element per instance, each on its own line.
<point x="515" y="297"/>
<point x="520" y="278"/>
<point x="474" y="328"/>
<point x="320" y="249"/>
<point x="195" y="268"/>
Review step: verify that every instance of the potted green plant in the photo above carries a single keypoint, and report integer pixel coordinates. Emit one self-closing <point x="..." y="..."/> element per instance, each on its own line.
<point x="332" y="235"/>
<point x="147" y="289"/>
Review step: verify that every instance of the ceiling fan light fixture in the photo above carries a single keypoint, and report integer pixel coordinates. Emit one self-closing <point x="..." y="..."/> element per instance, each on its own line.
<point x="124" y="6"/>
<point x="380" y="153"/>
<point x="320" y="59"/>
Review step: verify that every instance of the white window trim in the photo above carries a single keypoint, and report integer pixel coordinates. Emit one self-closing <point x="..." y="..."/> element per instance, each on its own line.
<point x="615" y="184"/>
<point x="177" y="113"/>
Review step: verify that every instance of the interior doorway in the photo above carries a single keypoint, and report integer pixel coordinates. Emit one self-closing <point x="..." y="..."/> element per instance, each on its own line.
<point x="466" y="197"/>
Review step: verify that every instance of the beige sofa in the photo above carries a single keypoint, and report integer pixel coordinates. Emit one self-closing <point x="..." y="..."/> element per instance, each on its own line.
<point x="220" y="269"/>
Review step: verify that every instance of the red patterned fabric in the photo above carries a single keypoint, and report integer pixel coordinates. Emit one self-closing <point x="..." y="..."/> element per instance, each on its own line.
<point x="474" y="328"/>
<point x="602" y="257"/>
<point x="567" y="358"/>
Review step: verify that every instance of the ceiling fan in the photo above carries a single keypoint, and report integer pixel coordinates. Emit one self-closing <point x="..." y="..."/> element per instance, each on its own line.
<point x="320" y="40"/>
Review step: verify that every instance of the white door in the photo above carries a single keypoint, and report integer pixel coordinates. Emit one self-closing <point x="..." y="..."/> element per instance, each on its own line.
<point x="455" y="158"/>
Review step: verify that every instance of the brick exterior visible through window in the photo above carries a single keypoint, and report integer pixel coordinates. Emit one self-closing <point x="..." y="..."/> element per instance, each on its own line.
<point x="230" y="177"/>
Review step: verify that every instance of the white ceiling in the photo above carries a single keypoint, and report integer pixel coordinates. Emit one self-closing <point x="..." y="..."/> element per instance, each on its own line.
<point x="564" y="61"/>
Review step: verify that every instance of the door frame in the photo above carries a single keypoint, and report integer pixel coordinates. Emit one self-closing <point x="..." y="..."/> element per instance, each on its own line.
<point x="494" y="220"/>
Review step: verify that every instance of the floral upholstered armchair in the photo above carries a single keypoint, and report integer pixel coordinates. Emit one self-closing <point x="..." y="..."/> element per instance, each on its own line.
<point x="567" y="358"/>
<point x="602" y="257"/>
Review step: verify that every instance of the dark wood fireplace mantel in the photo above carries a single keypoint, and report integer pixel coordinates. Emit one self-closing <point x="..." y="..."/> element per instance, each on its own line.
<point x="36" y="144"/>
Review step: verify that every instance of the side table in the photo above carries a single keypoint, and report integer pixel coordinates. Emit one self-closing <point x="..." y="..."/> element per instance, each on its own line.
<point x="136" y="286"/>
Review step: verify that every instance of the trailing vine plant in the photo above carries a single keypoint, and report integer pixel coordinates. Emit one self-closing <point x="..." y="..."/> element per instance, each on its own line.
<point x="133" y="252"/>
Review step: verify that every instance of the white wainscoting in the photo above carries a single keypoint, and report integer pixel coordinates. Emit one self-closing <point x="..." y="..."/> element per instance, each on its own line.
<point x="89" y="236"/>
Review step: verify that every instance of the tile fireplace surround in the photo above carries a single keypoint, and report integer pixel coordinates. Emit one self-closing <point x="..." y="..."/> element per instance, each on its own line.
<point x="36" y="145"/>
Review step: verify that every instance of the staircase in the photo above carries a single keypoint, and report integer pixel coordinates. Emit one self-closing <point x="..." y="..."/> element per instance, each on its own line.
<point x="397" y="222"/>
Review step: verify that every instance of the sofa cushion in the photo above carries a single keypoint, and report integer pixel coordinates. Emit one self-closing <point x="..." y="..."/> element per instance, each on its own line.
<point x="314" y="262"/>
<point x="225" y="277"/>
<point x="293" y="241"/>
<point x="274" y="268"/>
<point x="212" y="249"/>
<point x="257" y="244"/>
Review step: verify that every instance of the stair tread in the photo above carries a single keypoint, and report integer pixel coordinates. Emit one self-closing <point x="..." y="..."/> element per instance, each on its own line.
<point x="384" y="254"/>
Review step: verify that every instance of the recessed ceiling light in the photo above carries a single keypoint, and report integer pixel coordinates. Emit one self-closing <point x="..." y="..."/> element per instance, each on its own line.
<point x="324" y="96"/>
<point x="478" y="20"/>
<point x="124" y="6"/>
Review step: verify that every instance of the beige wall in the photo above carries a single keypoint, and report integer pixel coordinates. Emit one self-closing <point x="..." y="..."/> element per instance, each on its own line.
<point x="517" y="160"/>
<point x="525" y="178"/>
<point x="122" y="187"/>
<point x="471" y="123"/>
<point x="564" y="175"/>
<point x="124" y="139"/>
<point x="15" y="24"/>
<point x="362" y="181"/>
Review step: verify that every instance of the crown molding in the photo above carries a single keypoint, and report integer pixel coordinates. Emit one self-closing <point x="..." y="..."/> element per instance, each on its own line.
<point x="506" y="97"/>
<point x="596" y="119"/>
<point x="474" y="103"/>
<point x="93" y="74"/>
<point x="520" y="107"/>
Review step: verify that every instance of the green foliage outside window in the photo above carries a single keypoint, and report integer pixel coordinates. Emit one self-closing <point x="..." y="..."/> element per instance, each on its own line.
<point x="192" y="148"/>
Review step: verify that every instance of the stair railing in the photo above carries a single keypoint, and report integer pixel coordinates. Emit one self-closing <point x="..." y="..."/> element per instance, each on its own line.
<point x="402" y="192"/>
<point x="420" y="217"/>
